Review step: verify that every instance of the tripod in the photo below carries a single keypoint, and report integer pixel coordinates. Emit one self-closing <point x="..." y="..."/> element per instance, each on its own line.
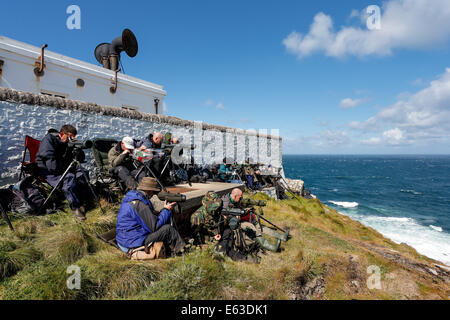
<point x="235" y="174"/>
<point x="75" y="163"/>
<point x="6" y="218"/>
<point x="179" y="168"/>
<point x="145" y="166"/>
<point x="280" y="177"/>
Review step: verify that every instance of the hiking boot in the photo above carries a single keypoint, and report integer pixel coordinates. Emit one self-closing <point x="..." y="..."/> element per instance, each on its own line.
<point x="83" y="210"/>
<point x="79" y="214"/>
<point x="266" y="244"/>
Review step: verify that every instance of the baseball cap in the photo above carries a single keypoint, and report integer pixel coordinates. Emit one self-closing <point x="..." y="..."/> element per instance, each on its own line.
<point x="128" y="142"/>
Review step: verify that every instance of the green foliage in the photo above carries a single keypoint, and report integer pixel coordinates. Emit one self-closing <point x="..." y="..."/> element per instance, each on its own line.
<point x="196" y="276"/>
<point x="45" y="280"/>
<point x="114" y="276"/>
<point x="7" y="246"/>
<point x="34" y="260"/>
<point x="11" y="261"/>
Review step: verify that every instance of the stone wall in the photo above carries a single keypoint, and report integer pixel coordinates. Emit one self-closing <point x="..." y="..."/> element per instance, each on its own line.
<point x="23" y="113"/>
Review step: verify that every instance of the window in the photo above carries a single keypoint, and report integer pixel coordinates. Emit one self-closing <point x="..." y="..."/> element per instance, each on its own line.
<point x="130" y="108"/>
<point x="54" y="94"/>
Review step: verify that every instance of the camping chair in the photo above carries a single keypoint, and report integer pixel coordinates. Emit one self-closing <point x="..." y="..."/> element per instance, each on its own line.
<point x="29" y="167"/>
<point x="102" y="171"/>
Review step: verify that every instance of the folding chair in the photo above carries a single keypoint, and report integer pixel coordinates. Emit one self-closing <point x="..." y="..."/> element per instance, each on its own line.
<point x="102" y="171"/>
<point x="29" y="167"/>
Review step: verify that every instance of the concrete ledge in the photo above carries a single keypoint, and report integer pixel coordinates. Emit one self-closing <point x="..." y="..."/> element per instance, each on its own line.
<point x="11" y="95"/>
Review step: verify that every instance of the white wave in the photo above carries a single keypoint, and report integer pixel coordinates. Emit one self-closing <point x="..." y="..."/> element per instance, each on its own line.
<point x="345" y="204"/>
<point x="429" y="240"/>
<point x="397" y="219"/>
<point x="436" y="228"/>
<point x="410" y="191"/>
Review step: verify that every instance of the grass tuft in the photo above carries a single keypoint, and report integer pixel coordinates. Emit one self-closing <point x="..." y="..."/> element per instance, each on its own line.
<point x="15" y="260"/>
<point x="196" y="276"/>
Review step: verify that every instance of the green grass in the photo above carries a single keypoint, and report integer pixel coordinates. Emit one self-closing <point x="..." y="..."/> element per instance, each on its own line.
<point x="34" y="260"/>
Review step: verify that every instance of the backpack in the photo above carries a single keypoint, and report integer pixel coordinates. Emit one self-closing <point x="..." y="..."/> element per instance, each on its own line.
<point x="238" y="242"/>
<point x="27" y="197"/>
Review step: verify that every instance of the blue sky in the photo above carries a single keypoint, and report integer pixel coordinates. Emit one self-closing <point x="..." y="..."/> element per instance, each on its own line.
<point x="310" y="69"/>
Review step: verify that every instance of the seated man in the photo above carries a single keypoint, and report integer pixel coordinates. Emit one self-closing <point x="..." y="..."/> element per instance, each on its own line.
<point x="122" y="163"/>
<point x="53" y="158"/>
<point x="155" y="142"/>
<point x="205" y="222"/>
<point x="224" y="171"/>
<point x="233" y="199"/>
<point x="138" y="225"/>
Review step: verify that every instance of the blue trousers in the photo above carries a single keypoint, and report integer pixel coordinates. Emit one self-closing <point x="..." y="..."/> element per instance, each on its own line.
<point x="74" y="186"/>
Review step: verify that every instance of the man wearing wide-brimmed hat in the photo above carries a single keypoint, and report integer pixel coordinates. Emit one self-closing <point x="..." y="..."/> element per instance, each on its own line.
<point x="137" y="223"/>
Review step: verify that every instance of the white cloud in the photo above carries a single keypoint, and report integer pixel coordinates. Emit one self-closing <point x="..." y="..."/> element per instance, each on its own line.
<point x="351" y="103"/>
<point x="210" y="103"/>
<point x="372" y="141"/>
<point x="422" y="117"/>
<point x="411" y="24"/>
<point x="393" y="136"/>
<point x="333" y="137"/>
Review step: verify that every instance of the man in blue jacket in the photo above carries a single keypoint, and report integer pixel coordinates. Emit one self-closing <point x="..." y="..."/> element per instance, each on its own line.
<point x="138" y="225"/>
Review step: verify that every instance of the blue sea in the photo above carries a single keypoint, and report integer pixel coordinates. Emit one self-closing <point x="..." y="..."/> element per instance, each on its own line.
<point x="404" y="197"/>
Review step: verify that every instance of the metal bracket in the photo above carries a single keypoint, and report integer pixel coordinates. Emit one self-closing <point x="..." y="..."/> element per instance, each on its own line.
<point x="40" y="65"/>
<point x="114" y="89"/>
<point x="156" y="105"/>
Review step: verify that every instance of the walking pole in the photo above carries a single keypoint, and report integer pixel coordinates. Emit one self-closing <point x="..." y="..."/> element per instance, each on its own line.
<point x="6" y="218"/>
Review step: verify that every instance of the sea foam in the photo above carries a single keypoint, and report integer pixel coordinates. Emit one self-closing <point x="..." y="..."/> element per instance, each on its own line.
<point x="427" y="240"/>
<point x="345" y="204"/>
<point x="436" y="228"/>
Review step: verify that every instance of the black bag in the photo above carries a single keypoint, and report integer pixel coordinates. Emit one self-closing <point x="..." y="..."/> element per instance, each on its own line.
<point x="6" y="196"/>
<point x="27" y="197"/>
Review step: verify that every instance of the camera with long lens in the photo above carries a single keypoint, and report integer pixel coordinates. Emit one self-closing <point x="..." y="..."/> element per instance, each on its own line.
<point x="246" y="202"/>
<point x="76" y="147"/>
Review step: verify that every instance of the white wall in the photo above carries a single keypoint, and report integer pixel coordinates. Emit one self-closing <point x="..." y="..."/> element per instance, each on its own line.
<point x="18" y="119"/>
<point x="60" y="77"/>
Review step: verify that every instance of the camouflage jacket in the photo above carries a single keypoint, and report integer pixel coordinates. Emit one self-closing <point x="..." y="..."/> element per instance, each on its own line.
<point x="208" y="214"/>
